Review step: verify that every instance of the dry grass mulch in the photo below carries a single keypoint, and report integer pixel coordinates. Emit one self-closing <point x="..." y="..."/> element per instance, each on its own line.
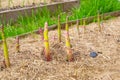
<point x="30" y="65"/>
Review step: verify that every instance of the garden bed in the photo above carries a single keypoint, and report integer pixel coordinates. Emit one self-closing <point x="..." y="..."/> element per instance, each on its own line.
<point x="27" y="24"/>
<point x="12" y="14"/>
<point x="12" y="4"/>
<point x="29" y="63"/>
<point x="72" y="22"/>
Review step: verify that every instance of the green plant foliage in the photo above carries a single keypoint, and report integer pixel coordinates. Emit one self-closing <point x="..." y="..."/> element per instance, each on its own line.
<point x="90" y="8"/>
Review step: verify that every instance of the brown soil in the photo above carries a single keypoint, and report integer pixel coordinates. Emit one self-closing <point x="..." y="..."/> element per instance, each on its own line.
<point x="30" y="65"/>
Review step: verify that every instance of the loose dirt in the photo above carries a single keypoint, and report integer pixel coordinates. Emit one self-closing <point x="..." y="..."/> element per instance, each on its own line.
<point x="30" y="65"/>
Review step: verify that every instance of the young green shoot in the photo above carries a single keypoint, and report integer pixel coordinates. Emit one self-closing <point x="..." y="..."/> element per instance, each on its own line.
<point x="46" y="43"/>
<point x="67" y="40"/>
<point x="5" y="47"/>
<point x="59" y="29"/>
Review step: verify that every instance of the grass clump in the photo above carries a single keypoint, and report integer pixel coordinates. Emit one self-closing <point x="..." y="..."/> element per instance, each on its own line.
<point x="91" y="7"/>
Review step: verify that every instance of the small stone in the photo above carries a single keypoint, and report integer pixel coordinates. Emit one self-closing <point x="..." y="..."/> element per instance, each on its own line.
<point x="93" y="54"/>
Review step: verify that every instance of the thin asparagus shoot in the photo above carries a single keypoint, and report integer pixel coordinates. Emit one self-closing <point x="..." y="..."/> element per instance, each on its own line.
<point x="5" y="47"/>
<point x="59" y="29"/>
<point x="46" y="43"/>
<point x="68" y="45"/>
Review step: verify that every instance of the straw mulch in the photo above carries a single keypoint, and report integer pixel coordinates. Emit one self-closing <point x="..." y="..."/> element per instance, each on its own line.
<point x="18" y="3"/>
<point x="29" y="64"/>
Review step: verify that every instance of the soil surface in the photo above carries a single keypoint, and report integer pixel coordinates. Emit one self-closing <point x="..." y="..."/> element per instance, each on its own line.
<point x="29" y="63"/>
<point x="6" y="4"/>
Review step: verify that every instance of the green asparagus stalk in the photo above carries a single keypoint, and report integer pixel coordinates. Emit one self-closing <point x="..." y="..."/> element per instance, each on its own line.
<point x="68" y="45"/>
<point x="46" y="43"/>
<point x="6" y="55"/>
<point x="59" y="29"/>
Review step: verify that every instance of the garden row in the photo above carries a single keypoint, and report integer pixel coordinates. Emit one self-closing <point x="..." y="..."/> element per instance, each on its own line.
<point x="45" y="39"/>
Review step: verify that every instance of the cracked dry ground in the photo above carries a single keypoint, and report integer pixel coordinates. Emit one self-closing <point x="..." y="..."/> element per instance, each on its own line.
<point x="29" y="63"/>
